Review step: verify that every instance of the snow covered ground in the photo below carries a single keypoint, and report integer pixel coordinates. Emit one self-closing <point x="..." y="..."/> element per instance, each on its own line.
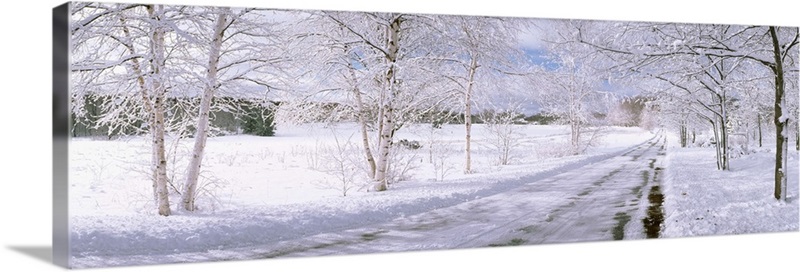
<point x="593" y="202"/>
<point x="267" y="189"/>
<point x="703" y="201"/>
<point x="281" y="192"/>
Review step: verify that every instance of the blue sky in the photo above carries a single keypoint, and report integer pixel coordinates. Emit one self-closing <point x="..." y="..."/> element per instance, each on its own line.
<point x="539" y="57"/>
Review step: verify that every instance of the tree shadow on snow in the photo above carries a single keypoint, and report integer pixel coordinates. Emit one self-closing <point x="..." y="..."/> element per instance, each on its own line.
<point x="42" y="253"/>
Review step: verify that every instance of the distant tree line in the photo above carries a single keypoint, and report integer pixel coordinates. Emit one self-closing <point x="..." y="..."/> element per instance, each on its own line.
<point x="246" y="117"/>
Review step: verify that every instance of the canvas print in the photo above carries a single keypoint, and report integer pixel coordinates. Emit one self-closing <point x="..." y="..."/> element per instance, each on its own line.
<point x="200" y="133"/>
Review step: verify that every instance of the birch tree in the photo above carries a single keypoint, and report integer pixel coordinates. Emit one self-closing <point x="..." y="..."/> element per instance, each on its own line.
<point x="374" y="61"/>
<point x="246" y="57"/>
<point x="573" y="94"/>
<point x="346" y="75"/>
<point x="133" y="63"/>
<point x="159" y="93"/>
<point x="145" y="62"/>
<point x="193" y="172"/>
<point x="479" y="52"/>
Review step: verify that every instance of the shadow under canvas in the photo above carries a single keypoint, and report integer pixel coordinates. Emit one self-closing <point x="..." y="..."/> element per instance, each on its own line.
<point x="42" y="253"/>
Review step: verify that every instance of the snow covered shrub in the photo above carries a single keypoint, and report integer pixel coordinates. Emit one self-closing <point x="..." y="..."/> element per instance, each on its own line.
<point x="140" y="195"/>
<point x="313" y="157"/>
<point x="410" y="144"/>
<point x="341" y="161"/>
<point x="265" y="154"/>
<point x="402" y="163"/>
<point x="210" y="191"/>
<point x="551" y="149"/>
<point x="739" y="145"/>
<point x="99" y="168"/>
<point x="437" y="149"/>
<point x="504" y="136"/>
<point x="594" y="137"/>
<point x="177" y="154"/>
<point x="338" y="163"/>
<point x="440" y="153"/>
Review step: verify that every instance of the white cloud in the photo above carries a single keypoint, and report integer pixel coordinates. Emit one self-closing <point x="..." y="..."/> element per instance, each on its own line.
<point x="531" y="38"/>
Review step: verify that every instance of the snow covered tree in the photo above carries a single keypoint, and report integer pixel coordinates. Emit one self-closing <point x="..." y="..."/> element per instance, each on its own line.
<point x="374" y="71"/>
<point x="387" y="106"/>
<point x="222" y="22"/>
<point x="756" y="108"/>
<point x="504" y="132"/>
<point x="628" y="111"/>
<point x="159" y="96"/>
<point x="785" y="56"/>
<point x="479" y="53"/>
<point x="344" y="74"/>
<point x="244" y="49"/>
<point x="711" y="90"/>
<point x="573" y="95"/>
<point x="707" y="55"/>
<point x="120" y="52"/>
<point x="573" y="89"/>
<point x="157" y="69"/>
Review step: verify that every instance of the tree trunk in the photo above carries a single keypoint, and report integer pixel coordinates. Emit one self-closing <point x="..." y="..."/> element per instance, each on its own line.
<point x="161" y="167"/>
<point x="725" y="152"/>
<point x="384" y="147"/>
<point x="201" y="133"/>
<point x="362" y="121"/>
<point x="723" y="98"/>
<point x="797" y="136"/>
<point x="759" y="130"/>
<point x="781" y="121"/>
<point x="575" y="118"/>
<point x="575" y="136"/>
<point x="154" y="154"/>
<point x="473" y="66"/>
<point x="364" y="135"/>
<point x="717" y="143"/>
<point x="146" y="101"/>
<point x="724" y="143"/>
<point x="381" y="105"/>
<point x="159" y="109"/>
<point x="683" y="135"/>
<point x="387" y="124"/>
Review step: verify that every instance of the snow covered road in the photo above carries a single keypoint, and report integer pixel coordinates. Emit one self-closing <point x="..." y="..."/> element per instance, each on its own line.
<point x="591" y="203"/>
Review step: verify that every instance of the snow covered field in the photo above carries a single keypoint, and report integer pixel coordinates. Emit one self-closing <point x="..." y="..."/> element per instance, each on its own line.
<point x="703" y="201"/>
<point x="268" y="189"/>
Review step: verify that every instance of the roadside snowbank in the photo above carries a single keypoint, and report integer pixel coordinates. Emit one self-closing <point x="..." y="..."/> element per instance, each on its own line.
<point x="701" y="200"/>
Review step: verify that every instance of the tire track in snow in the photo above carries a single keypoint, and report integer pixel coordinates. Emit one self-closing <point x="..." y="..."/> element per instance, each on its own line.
<point x="597" y="212"/>
<point x="550" y="210"/>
